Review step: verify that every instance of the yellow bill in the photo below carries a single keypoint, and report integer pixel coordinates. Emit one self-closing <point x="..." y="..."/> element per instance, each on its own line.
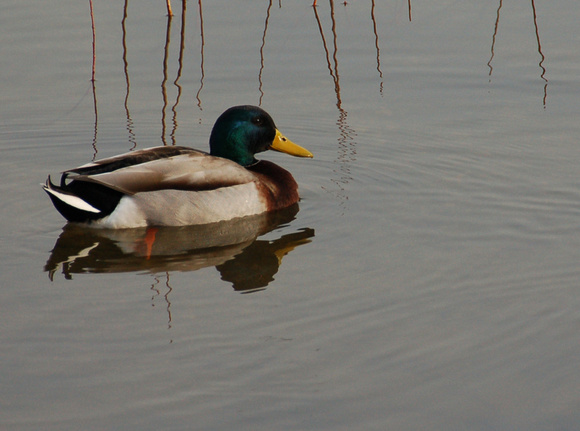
<point x="285" y="145"/>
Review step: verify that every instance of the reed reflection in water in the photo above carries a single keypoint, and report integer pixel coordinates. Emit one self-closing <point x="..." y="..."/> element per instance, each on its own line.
<point x="439" y="292"/>
<point x="539" y="44"/>
<point x="346" y="148"/>
<point x="232" y="247"/>
<point x="165" y="75"/>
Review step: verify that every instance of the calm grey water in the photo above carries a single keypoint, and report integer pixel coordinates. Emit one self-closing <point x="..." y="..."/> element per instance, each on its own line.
<point x="428" y="280"/>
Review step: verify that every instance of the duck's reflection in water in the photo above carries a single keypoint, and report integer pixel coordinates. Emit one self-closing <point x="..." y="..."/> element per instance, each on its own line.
<point x="232" y="247"/>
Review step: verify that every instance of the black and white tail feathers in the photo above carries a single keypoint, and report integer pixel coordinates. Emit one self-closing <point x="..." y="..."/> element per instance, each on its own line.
<point x="82" y="201"/>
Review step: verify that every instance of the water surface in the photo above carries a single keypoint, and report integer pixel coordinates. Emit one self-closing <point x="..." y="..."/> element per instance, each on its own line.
<point x="427" y="280"/>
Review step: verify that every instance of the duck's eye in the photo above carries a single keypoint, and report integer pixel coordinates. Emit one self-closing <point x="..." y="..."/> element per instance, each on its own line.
<point x="258" y="121"/>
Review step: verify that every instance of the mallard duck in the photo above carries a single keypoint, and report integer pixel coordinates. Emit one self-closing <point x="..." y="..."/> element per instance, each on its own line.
<point x="178" y="186"/>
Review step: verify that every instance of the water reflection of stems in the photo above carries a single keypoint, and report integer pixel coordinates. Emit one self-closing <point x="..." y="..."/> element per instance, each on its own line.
<point x="155" y="288"/>
<point x="165" y="75"/>
<point x="542" y="75"/>
<point x="262" y="53"/>
<point x="177" y="78"/>
<point x="132" y="139"/>
<point x="164" y="80"/>
<point x="493" y="39"/>
<point x="346" y="153"/>
<point x="94" y="143"/>
<point x="202" y="71"/>
<point x="93" y="79"/>
<point x="179" y="71"/>
<point x="157" y="292"/>
<point x="94" y="39"/>
<point x="377" y="43"/>
<point x="537" y="34"/>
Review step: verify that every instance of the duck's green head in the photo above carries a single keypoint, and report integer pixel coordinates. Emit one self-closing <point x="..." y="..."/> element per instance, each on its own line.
<point x="242" y="131"/>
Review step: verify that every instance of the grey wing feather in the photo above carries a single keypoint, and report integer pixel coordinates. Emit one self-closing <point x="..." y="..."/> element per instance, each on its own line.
<point x="193" y="171"/>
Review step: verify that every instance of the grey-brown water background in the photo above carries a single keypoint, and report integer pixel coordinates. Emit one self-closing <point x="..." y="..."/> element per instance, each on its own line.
<point x="429" y="279"/>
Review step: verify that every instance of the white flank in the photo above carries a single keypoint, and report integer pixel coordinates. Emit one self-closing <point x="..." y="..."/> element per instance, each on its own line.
<point x="73" y="201"/>
<point x="127" y="214"/>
